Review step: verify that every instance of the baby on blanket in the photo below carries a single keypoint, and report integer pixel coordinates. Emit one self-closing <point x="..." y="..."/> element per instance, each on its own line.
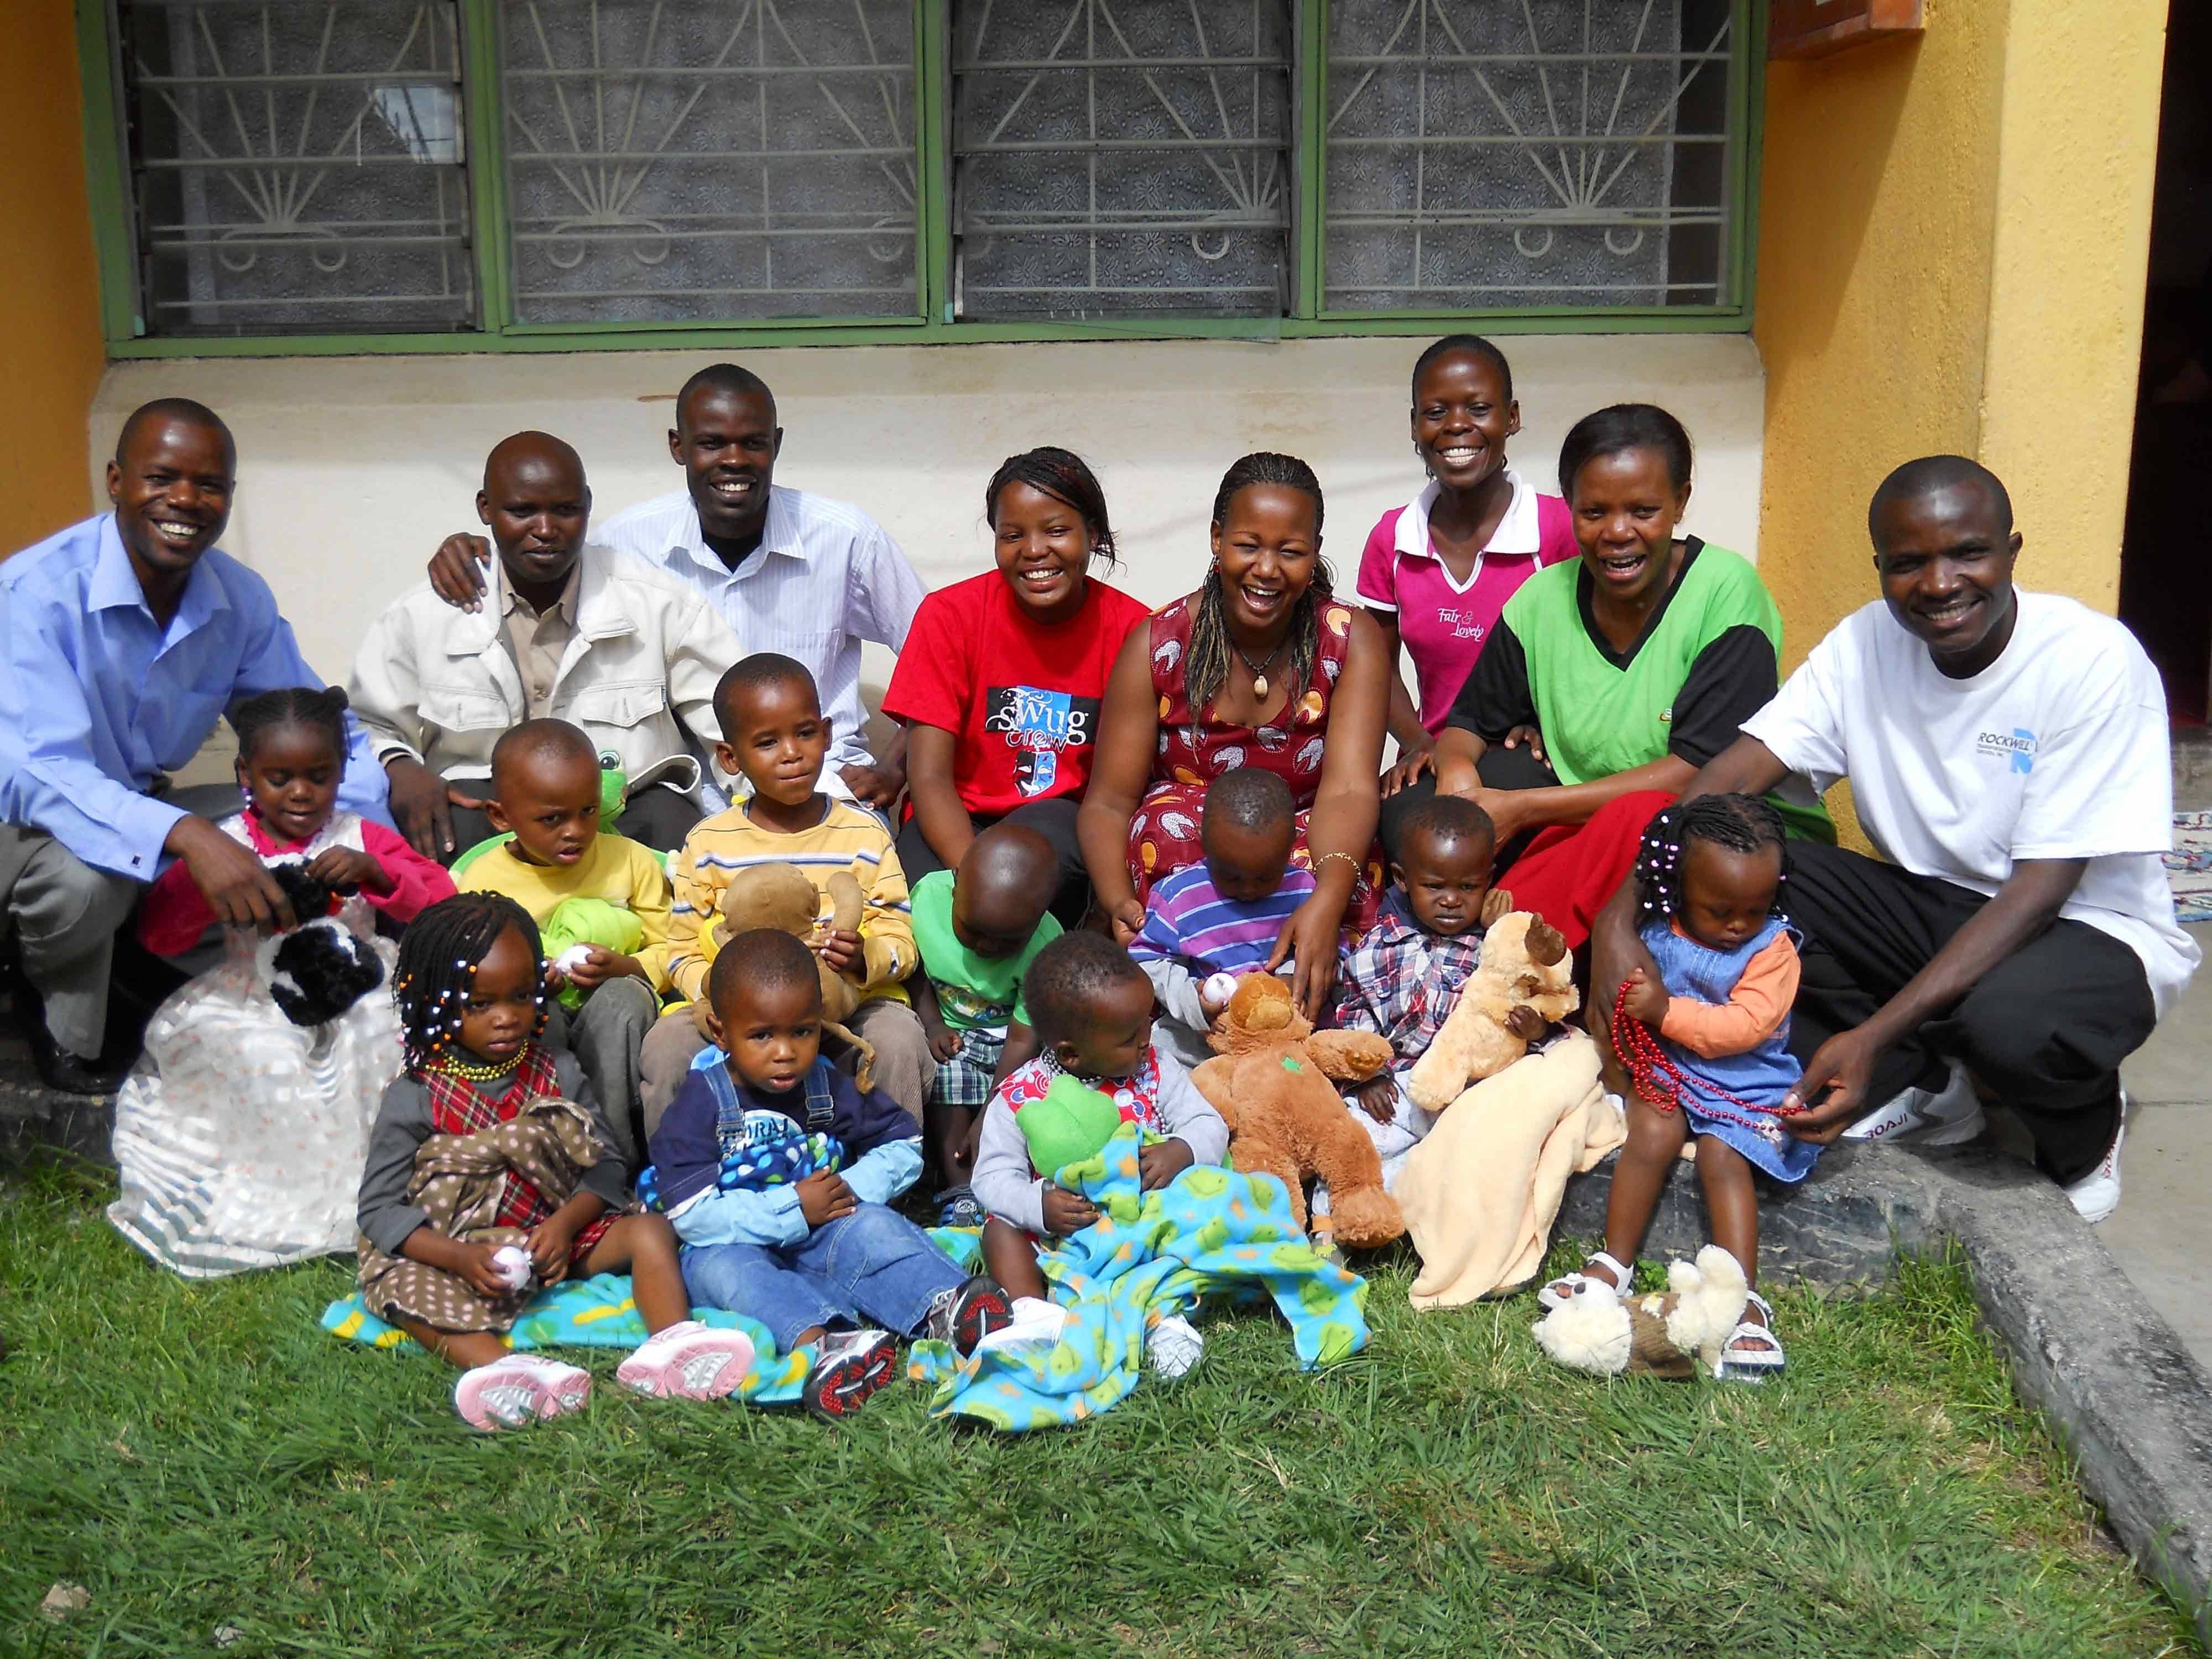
<point x="1091" y="1009"/>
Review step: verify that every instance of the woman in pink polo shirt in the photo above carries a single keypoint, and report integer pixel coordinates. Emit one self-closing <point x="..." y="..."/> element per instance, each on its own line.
<point x="1436" y="572"/>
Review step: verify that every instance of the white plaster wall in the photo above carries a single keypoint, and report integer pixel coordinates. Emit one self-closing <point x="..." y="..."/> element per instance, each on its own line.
<point x="352" y="469"/>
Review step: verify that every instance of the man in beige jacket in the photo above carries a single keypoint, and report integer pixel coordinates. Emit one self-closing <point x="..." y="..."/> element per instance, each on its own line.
<point x="573" y="632"/>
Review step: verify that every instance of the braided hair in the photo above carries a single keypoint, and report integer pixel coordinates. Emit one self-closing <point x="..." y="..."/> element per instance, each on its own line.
<point x="1205" y="663"/>
<point x="1739" y="823"/>
<point x="438" y="956"/>
<point x="321" y="711"/>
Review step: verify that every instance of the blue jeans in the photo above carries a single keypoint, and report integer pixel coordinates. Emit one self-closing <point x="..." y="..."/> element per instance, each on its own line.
<point x="873" y="1267"/>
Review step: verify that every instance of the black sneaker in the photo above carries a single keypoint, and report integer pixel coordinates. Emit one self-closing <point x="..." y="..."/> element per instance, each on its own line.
<point x="849" y="1366"/>
<point x="968" y="1313"/>
<point x="958" y="1206"/>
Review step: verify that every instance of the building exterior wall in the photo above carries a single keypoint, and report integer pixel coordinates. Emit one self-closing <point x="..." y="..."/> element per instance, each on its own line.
<point x="1952" y="232"/>
<point x="51" y="352"/>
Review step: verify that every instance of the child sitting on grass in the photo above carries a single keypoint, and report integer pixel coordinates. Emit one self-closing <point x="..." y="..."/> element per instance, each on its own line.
<point x="1402" y="979"/>
<point x="489" y="1177"/>
<point x="1226" y="914"/>
<point x="1092" y="1009"/>
<point x="545" y="788"/>
<point x="979" y="931"/>
<point x="777" y="1171"/>
<point x="1707" y="879"/>
<point x="239" y="1133"/>
<point x="774" y="733"/>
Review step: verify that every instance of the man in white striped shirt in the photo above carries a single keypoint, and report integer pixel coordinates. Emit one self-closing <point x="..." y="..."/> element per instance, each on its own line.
<point x="789" y="572"/>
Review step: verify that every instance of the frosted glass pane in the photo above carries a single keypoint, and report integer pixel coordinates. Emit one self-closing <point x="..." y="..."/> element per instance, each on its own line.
<point x="1121" y="157"/>
<point x="698" y="160"/>
<point x="1489" y="156"/>
<point x="298" y="166"/>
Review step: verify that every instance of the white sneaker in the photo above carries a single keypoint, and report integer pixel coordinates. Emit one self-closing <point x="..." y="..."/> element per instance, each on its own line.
<point x="1925" y="1117"/>
<point x="2097" y="1193"/>
<point x="1173" y="1346"/>
<point x="1036" y="1324"/>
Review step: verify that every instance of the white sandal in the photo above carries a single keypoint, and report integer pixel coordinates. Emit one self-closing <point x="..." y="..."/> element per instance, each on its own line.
<point x="1748" y="1364"/>
<point x="1567" y="1286"/>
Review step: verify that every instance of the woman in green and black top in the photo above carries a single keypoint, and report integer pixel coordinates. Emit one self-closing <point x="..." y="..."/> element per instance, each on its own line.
<point x="1611" y="680"/>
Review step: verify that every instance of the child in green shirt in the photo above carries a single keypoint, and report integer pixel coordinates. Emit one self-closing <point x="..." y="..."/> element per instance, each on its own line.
<point x="978" y="928"/>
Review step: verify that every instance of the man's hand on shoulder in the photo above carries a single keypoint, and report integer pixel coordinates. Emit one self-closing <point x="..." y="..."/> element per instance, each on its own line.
<point x="236" y="884"/>
<point x="454" y="574"/>
<point x="422" y="806"/>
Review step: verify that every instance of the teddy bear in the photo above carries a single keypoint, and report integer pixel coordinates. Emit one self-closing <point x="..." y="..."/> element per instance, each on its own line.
<point x="1271" y="1080"/>
<point x="1526" y="982"/>
<point x="783" y="897"/>
<point x="1673" y="1334"/>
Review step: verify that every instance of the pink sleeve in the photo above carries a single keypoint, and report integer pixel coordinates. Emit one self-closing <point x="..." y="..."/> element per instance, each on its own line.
<point x="1378" y="564"/>
<point x="1752" y="1014"/>
<point x="1555" y="532"/>
<point x="416" y="884"/>
<point x="174" y="914"/>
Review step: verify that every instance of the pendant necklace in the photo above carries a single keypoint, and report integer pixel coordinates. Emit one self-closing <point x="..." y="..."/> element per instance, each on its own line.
<point x="1259" y="669"/>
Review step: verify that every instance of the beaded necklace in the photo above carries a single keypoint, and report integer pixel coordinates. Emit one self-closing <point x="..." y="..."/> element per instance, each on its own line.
<point x="1647" y="1063"/>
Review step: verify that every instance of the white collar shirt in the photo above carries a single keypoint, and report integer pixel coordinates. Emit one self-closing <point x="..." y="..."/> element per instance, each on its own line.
<point x="825" y="578"/>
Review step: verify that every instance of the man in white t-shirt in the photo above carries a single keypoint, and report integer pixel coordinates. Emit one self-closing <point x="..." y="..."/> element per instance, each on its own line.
<point x="2008" y="757"/>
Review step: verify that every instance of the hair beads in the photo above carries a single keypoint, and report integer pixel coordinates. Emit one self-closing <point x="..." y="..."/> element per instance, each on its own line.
<point x="1741" y="823"/>
<point x="440" y="957"/>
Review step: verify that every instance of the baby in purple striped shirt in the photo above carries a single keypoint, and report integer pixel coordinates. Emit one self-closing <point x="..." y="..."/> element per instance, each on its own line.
<point x="1222" y="916"/>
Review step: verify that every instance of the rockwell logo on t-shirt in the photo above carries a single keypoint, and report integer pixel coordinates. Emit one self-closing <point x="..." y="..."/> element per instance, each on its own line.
<point x="2019" y="747"/>
<point x="1039" y="724"/>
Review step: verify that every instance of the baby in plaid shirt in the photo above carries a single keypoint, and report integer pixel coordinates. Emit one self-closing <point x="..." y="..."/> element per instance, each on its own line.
<point x="1402" y="978"/>
<point x="978" y="927"/>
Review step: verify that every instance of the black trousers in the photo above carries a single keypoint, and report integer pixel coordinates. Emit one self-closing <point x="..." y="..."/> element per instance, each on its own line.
<point x="657" y="816"/>
<point x="1054" y="819"/>
<point x="2046" y="1029"/>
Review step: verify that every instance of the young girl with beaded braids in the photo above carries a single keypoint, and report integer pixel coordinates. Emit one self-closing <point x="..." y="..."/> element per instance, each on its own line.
<point x="491" y="1176"/>
<point x="1707" y="1047"/>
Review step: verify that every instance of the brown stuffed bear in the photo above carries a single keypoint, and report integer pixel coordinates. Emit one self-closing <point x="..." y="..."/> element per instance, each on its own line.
<point x="1270" y="1080"/>
<point x="783" y="897"/>
<point x="1526" y="982"/>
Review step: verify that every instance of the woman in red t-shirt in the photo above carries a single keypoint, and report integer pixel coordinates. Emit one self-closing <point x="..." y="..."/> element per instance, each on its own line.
<point x="1000" y="678"/>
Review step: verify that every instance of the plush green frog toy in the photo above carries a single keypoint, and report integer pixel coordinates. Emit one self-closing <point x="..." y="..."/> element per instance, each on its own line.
<point x="1070" y="1125"/>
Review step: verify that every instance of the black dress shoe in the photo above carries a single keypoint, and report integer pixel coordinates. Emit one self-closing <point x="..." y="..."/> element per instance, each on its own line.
<point x="71" y="1074"/>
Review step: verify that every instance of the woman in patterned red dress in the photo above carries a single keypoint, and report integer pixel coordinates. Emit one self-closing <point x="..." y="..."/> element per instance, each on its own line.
<point x="1261" y="666"/>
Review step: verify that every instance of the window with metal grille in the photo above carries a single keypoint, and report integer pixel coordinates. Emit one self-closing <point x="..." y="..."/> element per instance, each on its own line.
<point x="527" y="173"/>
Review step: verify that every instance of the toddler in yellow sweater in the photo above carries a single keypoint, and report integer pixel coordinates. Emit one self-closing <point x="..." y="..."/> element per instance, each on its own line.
<point x="545" y="790"/>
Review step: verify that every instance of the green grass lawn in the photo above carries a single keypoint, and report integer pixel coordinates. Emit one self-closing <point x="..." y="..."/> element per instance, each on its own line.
<point x="201" y="1455"/>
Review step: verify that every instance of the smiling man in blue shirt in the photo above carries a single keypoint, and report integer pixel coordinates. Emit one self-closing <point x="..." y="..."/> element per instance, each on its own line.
<point x="126" y="637"/>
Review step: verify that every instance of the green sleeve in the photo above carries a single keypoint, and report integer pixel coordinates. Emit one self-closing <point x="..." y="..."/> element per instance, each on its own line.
<point x="1048" y="930"/>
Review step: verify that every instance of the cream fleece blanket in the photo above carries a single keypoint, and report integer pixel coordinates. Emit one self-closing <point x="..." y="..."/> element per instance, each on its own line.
<point x="1481" y="1194"/>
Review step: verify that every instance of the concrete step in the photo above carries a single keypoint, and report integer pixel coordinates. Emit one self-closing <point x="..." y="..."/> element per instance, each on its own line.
<point x="2192" y="770"/>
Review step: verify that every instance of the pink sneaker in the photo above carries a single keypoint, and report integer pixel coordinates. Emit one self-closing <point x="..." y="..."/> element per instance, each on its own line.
<point x="520" y="1388"/>
<point x="687" y="1361"/>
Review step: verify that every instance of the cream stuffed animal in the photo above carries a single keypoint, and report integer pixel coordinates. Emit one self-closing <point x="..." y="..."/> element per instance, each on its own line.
<point x="1672" y="1334"/>
<point x="1526" y="982"/>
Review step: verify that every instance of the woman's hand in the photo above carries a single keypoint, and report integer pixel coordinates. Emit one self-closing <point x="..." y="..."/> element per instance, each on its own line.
<point x="1530" y="737"/>
<point x="349" y="870"/>
<point x="1414" y="759"/>
<point x="1508" y="816"/>
<point x="1308" y="942"/>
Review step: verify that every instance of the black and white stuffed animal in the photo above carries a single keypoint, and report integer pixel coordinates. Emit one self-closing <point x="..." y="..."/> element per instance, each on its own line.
<point x="319" y="970"/>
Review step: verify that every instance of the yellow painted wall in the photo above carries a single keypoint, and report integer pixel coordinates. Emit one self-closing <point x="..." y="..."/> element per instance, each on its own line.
<point x="1952" y="238"/>
<point x="51" y="350"/>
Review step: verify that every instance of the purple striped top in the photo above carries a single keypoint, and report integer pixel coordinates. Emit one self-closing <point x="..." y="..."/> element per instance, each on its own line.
<point x="1188" y="920"/>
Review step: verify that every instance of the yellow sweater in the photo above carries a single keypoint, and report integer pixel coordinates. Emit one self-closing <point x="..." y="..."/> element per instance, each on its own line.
<point x="613" y="868"/>
<point x="846" y="838"/>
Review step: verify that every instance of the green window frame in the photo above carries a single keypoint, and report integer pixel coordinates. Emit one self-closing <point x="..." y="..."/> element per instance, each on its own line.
<point x="1305" y="312"/>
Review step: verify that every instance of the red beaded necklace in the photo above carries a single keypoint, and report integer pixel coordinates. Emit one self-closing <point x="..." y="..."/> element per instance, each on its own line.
<point x="1648" y="1066"/>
